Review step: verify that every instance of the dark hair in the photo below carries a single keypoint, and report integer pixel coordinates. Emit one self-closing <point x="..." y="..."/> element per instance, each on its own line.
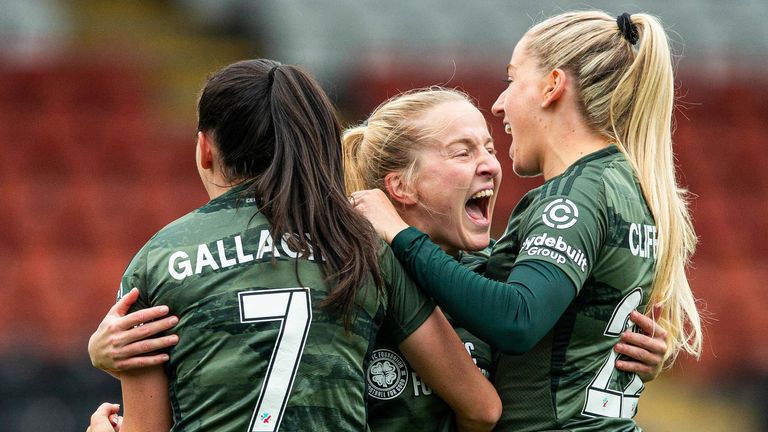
<point x="273" y="124"/>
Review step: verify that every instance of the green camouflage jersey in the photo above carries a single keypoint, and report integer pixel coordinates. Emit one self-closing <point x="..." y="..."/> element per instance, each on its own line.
<point x="593" y="223"/>
<point x="398" y="399"/>
<point x="257" y="352"/>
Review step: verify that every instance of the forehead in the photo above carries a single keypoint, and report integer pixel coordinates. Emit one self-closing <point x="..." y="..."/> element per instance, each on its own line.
<point x="454" y="117"/>
<point x="519" y="55"/>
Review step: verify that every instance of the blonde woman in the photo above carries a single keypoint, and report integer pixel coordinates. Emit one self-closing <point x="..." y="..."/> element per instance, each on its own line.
<point x="431" y="151"/>
<point x="589" y="107"/>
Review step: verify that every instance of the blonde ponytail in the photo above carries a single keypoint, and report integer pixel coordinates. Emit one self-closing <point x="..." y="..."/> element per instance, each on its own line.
<point x="646" y="138"/>
<point x="351" y="141"/>
<point x="628" y="96"/>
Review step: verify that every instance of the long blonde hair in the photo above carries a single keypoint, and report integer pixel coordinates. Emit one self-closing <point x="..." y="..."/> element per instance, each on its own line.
<point x="391" y="138"/>
<point x="627" y="95"/>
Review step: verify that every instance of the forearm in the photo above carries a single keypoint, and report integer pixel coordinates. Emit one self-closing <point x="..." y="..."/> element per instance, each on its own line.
<point x="437" y="354"/>
<point x="511" y="316"/>
<point x="146" y="401"/>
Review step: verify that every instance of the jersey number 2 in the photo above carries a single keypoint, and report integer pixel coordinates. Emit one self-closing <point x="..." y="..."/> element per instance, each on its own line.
<point x="602" y="401"/>
<point x="292" y="306"/>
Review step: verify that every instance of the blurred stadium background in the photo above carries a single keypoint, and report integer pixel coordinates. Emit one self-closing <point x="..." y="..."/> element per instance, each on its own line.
<point x="97" y="118"/>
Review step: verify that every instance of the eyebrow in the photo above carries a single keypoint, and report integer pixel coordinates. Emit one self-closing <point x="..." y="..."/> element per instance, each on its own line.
<point x="468" y="141"/>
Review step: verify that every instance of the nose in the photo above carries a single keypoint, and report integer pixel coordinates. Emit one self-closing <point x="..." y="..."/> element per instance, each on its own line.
<point x="498" y="107"/>
<point x="489" y="166"/>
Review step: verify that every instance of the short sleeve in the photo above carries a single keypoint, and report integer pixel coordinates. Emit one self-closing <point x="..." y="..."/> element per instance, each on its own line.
<point x="135" y="276"/>
<point x="407" y="306"/>
<point x="567" y="230"/>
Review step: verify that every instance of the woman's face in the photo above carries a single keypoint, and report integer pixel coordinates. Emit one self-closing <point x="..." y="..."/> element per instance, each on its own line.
<point x="457" y="180"/>
<point x="519" y="106"/>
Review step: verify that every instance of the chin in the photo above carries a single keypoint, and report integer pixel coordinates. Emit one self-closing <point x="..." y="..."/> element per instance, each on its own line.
<point x="521" y="171"/>
<point x="475" y="243"/>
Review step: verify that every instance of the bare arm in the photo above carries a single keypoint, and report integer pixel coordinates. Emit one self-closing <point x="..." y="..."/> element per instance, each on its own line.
<point x="118" y="344"/>
<point x="645" y="349"/>
<point x="436" y="353"/>
<point x="147" y="406"/>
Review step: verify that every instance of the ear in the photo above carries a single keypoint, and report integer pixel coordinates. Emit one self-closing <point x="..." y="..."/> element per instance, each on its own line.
<point x="205" y="155"/>
<point x="397" y="190"/>
<point x="554" y="87"/>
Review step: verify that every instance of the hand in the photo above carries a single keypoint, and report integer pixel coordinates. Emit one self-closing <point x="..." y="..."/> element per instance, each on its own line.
<point x="645" y="349"/>
<point x="105" y="419"/>
<point x="120" y="340"/>
<point x="376" y="207"/>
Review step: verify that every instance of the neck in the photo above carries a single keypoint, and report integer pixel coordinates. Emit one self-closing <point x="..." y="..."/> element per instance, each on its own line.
<point x="216" y="186"/>
<point x="416" y="217"/>
<point x="567" y="153"/>
<point x="569" y="141"/>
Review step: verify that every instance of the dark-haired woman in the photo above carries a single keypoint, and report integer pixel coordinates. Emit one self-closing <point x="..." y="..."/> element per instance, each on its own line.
<point x="280" y="288"/>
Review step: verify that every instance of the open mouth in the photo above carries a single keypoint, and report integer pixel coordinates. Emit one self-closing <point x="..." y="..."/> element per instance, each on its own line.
<point x="477" y="206"/>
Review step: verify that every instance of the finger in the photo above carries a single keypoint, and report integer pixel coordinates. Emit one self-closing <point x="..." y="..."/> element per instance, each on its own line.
<point x="149" y="329"/>
<point x="106" y="409"/>
<point x="124" y="304"/>
<point x="644" y="322"/>
<point x="148" y="346"/>
<point x="142" y="316"/>
<point x="100" y="417"/>
<point x="647" y="325"/>
<point x="633" y="366"/>
<point x="644" y="342"/>
<point x="636" y="353"/>
<point x="141" y="362"/>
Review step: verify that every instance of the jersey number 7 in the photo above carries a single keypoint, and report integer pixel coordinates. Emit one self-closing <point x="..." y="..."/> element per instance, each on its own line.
<point x="293" y="307"/>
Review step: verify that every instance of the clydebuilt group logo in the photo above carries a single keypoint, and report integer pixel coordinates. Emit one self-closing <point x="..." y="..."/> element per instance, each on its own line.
<point x="387" y="375"/>
<point x="561" y="213"/>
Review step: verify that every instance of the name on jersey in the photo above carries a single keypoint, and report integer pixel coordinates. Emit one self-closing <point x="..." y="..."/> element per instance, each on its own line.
<point x="556" y="249"/>
<point x="229" y="252"/>
<point x="643" y="241"/>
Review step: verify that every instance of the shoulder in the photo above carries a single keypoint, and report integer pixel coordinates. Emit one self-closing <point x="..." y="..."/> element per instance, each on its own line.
<point x="573" y="196"/>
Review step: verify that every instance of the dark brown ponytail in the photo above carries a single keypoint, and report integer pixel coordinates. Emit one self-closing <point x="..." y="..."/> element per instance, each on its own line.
<point x="275" y="125"/>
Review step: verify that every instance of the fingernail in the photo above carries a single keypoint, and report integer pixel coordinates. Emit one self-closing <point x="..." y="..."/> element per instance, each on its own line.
<point x="174" y="320"/>
<point x="164" y="309"/>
